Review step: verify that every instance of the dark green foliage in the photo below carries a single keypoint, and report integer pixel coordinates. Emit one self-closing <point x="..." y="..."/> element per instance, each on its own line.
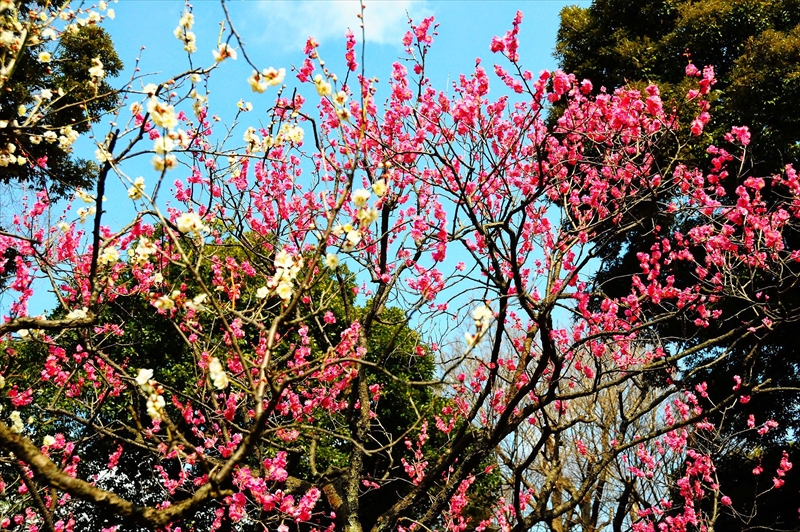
<point x="81" y="104"/>
<point x="754" y="46"/>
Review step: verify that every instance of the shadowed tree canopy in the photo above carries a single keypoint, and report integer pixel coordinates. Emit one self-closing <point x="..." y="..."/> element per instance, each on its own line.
<point x="51" y="80"/>
<point x="354" y="316"/>
<point x="754" y="47"/>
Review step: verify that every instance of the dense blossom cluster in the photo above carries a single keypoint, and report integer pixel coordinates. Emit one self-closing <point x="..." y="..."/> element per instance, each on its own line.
<point x="276" y="262"/>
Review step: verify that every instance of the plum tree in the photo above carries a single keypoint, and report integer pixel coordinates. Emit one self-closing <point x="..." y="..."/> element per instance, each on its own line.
<point x="364" y="241"/>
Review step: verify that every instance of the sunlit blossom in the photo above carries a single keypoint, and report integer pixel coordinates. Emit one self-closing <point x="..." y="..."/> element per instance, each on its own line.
<point x="144" y="376"/>
<point x="137" y="190"/>
<point x="163" y="145"/>
<point x="96" y="71"/>
<point x="164" y="303"/>
<point x="196" y="303"/>
<point x="367" y="216"/>
<point x="331" y="261"/>
<point x="108" y="257"/>
<point x="352" y="239"/>
<point x="224" y="52"/>
<point x="379" y="187"/>
<point x="155" y="405"/>
<point x="323" y="87"/>
<point x="284" y="291"/>
<point x="78" y="314"/>
<point x="218" y="376"/>
<point x="162" y="114"/>
<point x="16" y="422"/>
<point x="190" y="222"/>
<point x="167" y="162"/>
<point x="361" y="197"/>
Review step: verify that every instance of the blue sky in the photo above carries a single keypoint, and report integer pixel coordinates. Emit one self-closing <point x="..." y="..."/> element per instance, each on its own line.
<point x="274" y="32"/>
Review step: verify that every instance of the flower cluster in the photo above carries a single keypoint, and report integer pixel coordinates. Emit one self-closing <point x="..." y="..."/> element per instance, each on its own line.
<point x="155" y="399"/>
<point x="482" y="316"/>
<point x="184" y="33"/>
<point x="282" y="283"/>
<point x="217" y="374"/>
<point x="269" y="77"/>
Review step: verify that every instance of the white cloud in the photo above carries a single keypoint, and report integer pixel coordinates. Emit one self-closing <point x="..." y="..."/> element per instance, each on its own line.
<point x="290" y="23"/>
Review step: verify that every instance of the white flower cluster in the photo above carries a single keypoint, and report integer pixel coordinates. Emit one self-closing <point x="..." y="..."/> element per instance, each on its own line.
<point x="184" y="34"/>
<point x="84" y="196"/>
<point x="252" y="139"/>
<point x="331" y="261"/>
<point x="269" y="77"/>
<point x="323" y="87"/>
<point x="218" y="376"/>
<point x="365" y="215"/>
<point x="223" y="53"/>
<point x="65" y="137"/>
<point x="78" y="314"/>
<point x="352" y="236"/>
<point x="86" y="212"/>
<point x="16" y="422"/>
<point x="196" y="303"/>
<point x="291" y="133"/>
<point x="282" y="283"/>
<point x="143" y="251"/>
<point x="137" y="190"/>
<point x="190" y="222"/>
<point x="96" y="71"/>
<point x="162" y="114"/>
<point x="483" y="316"/>
<point x="7" y="156"/>
<point x="166" y="302"/>
<point x="108" y="257"/>
<point x="155" y="401"/>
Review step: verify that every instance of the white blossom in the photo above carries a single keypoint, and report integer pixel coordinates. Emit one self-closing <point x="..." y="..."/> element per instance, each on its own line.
<point x="78" y="314"/>
<point x="223" y="53"/>
<point x="109" y="256"/>
<point x="144" y="376"/>
<point x="96" y="71"/>
<point x="137" y="190"/>
<point x="162" y="114"/>
<point x="361" y="197"/>
<point x="367" y="216"/>
<point x="482" y="315"/>
<point x="190" y="222"/>
<point x="218" y="376"/>
<point x="379" y="187"/>
<point x="284" y="291"/>
<point x="164" y="302"/>
<point x="196" y="303"/>
<point x="331" y="261"/>
<point x="323" y="87"/>
<point x="16" y="422"/>
<point x="155" y="405"/>
<point x="167" y="162"/>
